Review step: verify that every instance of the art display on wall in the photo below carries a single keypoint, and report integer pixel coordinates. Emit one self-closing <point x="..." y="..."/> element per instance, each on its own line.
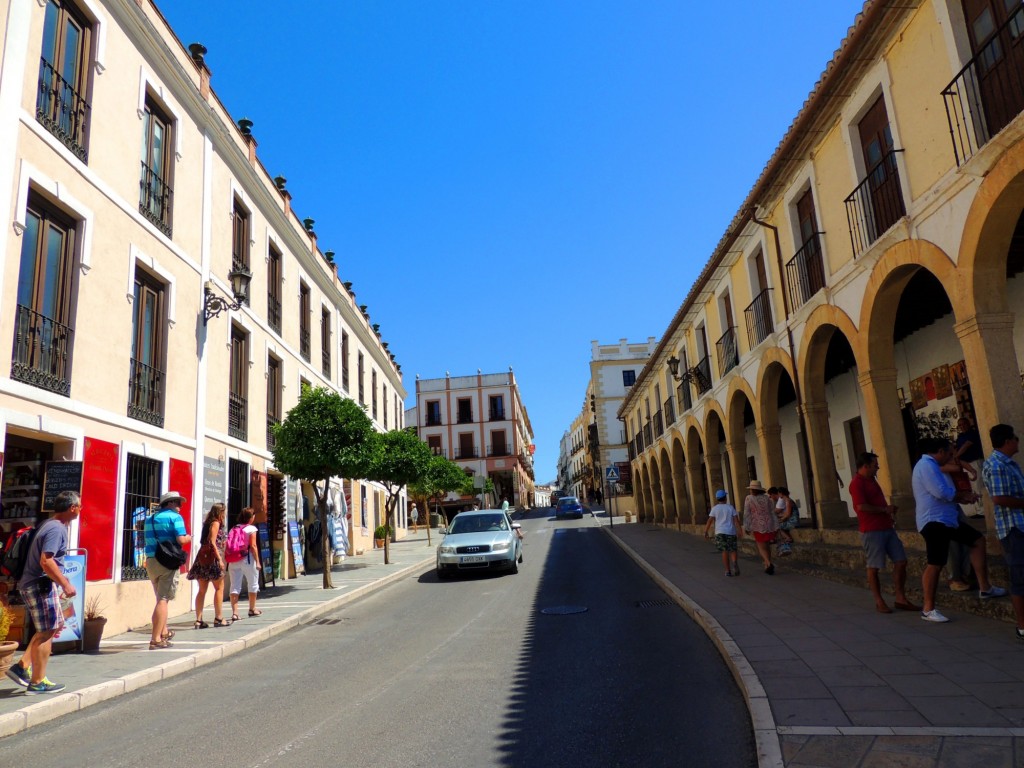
<point x="918" y="398"/>
<point x="940" y="378"/>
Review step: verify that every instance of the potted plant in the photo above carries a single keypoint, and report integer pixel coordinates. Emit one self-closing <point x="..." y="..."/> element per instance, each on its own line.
<point x="7" y="647"/>
<point x="380" y="533"/>
<point x="92" y="626"/>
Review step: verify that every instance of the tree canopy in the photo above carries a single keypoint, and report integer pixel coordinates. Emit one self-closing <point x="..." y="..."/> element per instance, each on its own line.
<point x="399" y="458"/>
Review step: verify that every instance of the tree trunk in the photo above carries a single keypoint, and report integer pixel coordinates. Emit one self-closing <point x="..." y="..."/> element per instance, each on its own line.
<point x="325" y="545"/>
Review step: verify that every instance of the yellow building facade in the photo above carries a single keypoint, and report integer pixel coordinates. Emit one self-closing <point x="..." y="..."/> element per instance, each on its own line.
<point x="867" y="289"/>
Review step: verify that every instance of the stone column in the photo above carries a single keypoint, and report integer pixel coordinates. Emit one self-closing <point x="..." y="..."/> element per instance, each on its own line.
<point x="698" y="504"/>
<point x="738" y="461"/>
<point x="885" y="429"/>
<point x="832" y="511"/>
<point x="993" y="371"/>
<point x="769" y="438"/>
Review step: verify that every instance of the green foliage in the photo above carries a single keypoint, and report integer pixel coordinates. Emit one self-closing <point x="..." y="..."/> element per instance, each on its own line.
<point x="325" y="435"/>
<point x="399" y="458"/>
<point x="5" y="622"/>
<point x="382" y="532"/>
<point x="468" y="489"/>
<point x="442" y="476"/>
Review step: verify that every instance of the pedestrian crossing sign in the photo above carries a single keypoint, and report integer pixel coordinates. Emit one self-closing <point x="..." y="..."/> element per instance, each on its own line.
<point x="611" y="474"/>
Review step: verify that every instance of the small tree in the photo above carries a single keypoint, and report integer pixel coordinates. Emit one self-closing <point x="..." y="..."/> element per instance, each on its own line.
<point x="442" y="477"/>
<point x="399" y="458"/>
<point x="323" y="436"/>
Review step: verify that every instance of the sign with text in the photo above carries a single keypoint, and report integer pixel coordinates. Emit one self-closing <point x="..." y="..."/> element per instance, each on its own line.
<point x="213" y="482"/>
<point x="73" y="607"/>
<point x="60" y="476"/>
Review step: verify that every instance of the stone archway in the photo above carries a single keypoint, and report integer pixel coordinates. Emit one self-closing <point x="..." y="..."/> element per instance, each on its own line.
<point x="668" y="496"/>
<point x="741" y="437"/>
<point x="696" y="475"/>
<point x="678" y="461"/>
<point x="716" y="459"/>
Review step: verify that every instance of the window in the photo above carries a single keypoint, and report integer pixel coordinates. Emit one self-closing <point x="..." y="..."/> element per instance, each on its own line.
<point x="498" y="444"/>
<point x="466" y="447"/>
<point x="238" y="405"/>
<point x="61" y="105"/>
<point x="344" y="360"/>
<point x="305" y="310"/>
<point x="147" y="380"/>
<point x="325" y="342"/>
<point x="384" y="403"/>
<point x="373" y="393"/>
<point x="465" y="410"/>
<point x="141" y="490"/>
<point x="360" y="374"/>
<point x="155" y="194"/>
<point x="628" y="378"/>
<point x="434" y="444"/>
<point x="240" y="228"/>
<point x="433" y="413"/>
<point x="43" y="337"/>
<point x="497" y="408"/>
<point x="274" y="290"/>
<point x="273" y="398"/>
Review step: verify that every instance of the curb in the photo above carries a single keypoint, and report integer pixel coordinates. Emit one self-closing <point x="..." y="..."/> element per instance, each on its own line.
<point x="66" y="703"/>
<point x="766" y="735"/>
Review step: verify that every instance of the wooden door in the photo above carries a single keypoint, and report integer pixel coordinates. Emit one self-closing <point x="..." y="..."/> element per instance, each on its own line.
<point x="885" y="204"/>
<point x="999" y="53"/>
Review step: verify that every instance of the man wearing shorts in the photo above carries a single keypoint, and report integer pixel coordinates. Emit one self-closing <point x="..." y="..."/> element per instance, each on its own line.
<point x="876" y="520"/>
<point x="41" y="587"/>
<point x="726" y="520"/>
<point x="165" y="525"/>
<point x="937" y="510"/>
<point x="1005" y="483"/>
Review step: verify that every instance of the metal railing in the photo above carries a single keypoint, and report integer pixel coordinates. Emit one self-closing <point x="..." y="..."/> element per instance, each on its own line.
<point x="876" y="204"/>
<point x="701" y="373"/>
<point x="658" y="424"/>
<point x="434" y="420"/>
<point x="670" y="412"/>
<point x="146" y="393"/>
<point x="759" y="318"/>
<point x="468" y="453"/>
<point x="304" y="349"/>
<point x="62" y="110"/>
<point x="497" y="414"/>
<point x="274" y="312"/>
<point x="988" y="92"/>
<point x="464" y="418"/>
<point x="683" y="396"/>
<point x="805" y="272"/>
<point x="155" y="197"/>
<point x="498" y="450"/>
<point x="272" y="421"/>
<point x="42" y="352"/>
<point x="439" y="451"/>
<point x="325" y="362"/>
<point x="238" y="416"/>
<point x="648" y="437"/>
<point x="728" y="349"/>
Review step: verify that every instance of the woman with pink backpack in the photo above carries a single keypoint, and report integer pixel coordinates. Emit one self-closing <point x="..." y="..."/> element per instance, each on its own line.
<point x="242" y="554"/>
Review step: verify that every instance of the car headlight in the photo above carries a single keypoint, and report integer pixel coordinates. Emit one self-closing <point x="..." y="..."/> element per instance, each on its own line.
<point x="502" y="547"/>
<point x="446" y="550"/>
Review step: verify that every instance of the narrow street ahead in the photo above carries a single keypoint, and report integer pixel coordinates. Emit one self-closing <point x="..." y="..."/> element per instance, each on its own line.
<point x="579" y="659"/>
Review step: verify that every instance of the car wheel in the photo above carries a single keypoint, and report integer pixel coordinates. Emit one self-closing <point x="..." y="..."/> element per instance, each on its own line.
<point x="515" y="566"/>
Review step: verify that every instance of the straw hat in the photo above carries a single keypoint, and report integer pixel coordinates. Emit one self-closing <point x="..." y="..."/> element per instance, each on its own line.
<point x="171" y="496"/>
<point x="755" y="486"/>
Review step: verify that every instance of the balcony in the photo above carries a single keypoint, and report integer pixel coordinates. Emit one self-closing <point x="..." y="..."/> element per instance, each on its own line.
<point x="805" y="273"/>
<point x="683" y="397"/>
<point x="468" y="453"/>
<point x="274" y="312"/>
<point x="759" y="318"/>
<point x="659" y="424"/>
<point x="465" y="418"/>
<point x="272" y="421"/>
<point x="42" y="352"/>
<point x="437" y="450"/>
<point x="728" y="349"/>
<point x="155" y="198"/>
<point x="648" y="437"/>
<point x="701" y="374"/>
<point x="238" y="409"/>
<point x="434" y="420"/>
<point x="325" y="362"/>
<point x="876" y="204"/>
<point x="670" y="412"/>
<point x="304" y="348"/>
<point x="500" y="449"/>
<point x="989" y="92"/>
<point x="146" y="393"/>
<point x="497" y="414"/>
<point x="62" y="110"/>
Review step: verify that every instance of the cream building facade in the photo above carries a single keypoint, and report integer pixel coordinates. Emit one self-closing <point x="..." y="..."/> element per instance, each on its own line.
<point x="133" y="198"/>
<point x="877" y="265"/>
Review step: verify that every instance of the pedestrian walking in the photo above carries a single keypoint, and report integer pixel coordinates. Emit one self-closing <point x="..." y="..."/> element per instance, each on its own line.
<point x="789" y="518"/>
<point x="968" y="453"/>
<point x="42" y="585"/>
<point x="165" y="525"/>
<point x="876" y="519"/>
<point x="504" y="504"/>
<point x="937" y="519"/>
<point x="243" y="556"/>
<point x="727" y="527"/>
<point x="209" y="566"/>
<point x="760" y="520"/>
<point x="1005" y="483"/>
<point x="414" y="515"/>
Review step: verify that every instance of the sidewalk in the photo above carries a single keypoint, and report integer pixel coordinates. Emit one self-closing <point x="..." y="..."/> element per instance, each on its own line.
<point x="829" y="681"/>
<point x="124" y="663"/>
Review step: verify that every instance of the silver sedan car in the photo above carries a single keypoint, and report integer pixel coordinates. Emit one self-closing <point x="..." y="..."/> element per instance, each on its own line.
<point x="478" y="541"/>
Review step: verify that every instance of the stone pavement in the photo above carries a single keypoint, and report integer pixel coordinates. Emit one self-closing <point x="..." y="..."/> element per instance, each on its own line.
<point x="831" y="682"/>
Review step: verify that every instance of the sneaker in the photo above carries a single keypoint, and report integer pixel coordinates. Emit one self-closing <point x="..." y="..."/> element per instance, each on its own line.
<point x="1020" y="633"/>
<point x="45" y="686"/>
<point x="20" y="675"/>
<point x="991" y="592"/>
<point x="728" y="573"/>
<point x="933" y="615"/>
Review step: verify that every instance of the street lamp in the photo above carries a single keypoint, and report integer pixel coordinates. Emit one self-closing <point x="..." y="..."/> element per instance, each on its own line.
<point x="213" y="304"/>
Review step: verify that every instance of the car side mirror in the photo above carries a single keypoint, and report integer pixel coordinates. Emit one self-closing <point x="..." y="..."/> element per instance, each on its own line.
<point x="516" y="526"/>
<point x="442" y="530"/>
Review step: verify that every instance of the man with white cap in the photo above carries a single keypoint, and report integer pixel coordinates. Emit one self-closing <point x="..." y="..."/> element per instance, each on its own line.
<point x="727" y="527"/>
<point x="165" y="525"/>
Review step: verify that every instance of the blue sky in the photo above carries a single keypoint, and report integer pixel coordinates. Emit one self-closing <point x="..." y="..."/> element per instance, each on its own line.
<point x="504" y="182"/>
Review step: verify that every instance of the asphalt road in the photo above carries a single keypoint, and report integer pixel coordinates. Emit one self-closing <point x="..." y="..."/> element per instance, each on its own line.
<point x="469" y="671"/>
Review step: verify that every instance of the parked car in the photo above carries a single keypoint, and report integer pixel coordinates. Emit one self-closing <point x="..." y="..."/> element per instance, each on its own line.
<point x="478" y="541"/>
<point x="569" y="506"/>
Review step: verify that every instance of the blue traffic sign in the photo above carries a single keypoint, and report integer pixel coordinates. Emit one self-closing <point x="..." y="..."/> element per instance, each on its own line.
<point x="611" y="474"/>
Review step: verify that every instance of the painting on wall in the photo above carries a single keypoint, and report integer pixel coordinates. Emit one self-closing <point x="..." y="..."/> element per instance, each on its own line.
<point x="958" y="375"/>
<point x="940" y="377"/>
<point x="918" y="398"/>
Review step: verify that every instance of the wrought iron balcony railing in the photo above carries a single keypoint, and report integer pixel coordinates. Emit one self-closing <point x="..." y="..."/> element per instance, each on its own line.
<point x="434" y="420"/>
<point x="498" y="450"/>
<point x="876" y="204"/>
<point x="497" y="414"/>
<point x="683" y="396"/>
<point x="272" y="421"/>
<point x="42" y="352"/>
<point x="728" y="349"/>
<point x="146" y="393"/>
<point x="238" y="416"/>
<point x="62" y="110"/>
<point x="325" y="362"/>
<point x="805" y="272"/>
<point x="274" y="312"/>
<point x="304" y="348"/>
<point x="468" y="453"/>
<point x="659" y="424"/>
<point x="701" y="373"/>
<point x="670" y="412"/>
<point x="648" y="437"/>
<point x="759" y="318"/>
<point x="155" y="198"/>
<point x="464" y="418"/>
<point x="989" y="92"/>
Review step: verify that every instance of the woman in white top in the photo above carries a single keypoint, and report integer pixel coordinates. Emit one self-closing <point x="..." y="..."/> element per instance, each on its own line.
<point x="248" y="566"/>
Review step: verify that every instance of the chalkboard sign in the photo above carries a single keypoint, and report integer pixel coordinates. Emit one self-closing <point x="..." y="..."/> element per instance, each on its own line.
<point x="60" y="476"/>
<point x="266" y="558"/>
<point x="293" y="534"/>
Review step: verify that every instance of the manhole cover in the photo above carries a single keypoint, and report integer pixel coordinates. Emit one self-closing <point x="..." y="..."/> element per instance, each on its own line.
<point x="562" y="610"/>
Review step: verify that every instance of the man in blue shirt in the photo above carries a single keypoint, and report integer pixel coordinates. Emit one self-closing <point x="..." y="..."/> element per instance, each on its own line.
<point x="165" y="525"/>
<point x="1005" y="483"/>
<point x="937" y="500"/>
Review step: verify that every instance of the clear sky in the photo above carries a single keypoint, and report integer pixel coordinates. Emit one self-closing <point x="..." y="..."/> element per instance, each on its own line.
<point x="504" y="181"/>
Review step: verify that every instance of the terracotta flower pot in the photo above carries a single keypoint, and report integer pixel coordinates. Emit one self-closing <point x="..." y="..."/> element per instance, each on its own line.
<point x="378" y="543"/>
<point x="7" y="650"/>
<point x="92" y="633"/>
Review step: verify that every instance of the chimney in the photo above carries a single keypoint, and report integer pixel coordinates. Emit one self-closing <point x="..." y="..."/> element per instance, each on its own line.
<point x="198" y="53"/>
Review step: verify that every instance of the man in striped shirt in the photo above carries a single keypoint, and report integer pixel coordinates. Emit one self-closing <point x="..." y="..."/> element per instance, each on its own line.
<point x="1005" y="483"/>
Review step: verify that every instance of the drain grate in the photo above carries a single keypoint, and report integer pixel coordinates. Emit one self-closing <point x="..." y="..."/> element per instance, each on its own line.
<point x="564" y="610"/>
<point x="329" y="621"/>
<point x="653" y="603"/>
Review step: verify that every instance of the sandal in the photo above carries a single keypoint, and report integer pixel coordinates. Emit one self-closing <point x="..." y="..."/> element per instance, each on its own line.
<point x="201" y="625"/>
<point x="257" y="612"/>
<point x="153" y="646"/>
<point x="235" y="617"/>
<point x="168" y="634"/>
<point x="221" y="623"/>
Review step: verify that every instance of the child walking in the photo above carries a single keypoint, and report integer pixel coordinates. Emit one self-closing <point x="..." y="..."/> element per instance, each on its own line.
<point x="727" y="528"/>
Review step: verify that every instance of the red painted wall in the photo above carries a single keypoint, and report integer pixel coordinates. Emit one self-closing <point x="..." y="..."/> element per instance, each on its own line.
<point x="96" y="526"/>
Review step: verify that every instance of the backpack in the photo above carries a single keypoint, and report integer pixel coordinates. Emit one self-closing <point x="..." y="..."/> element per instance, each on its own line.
<point x="15" y="556"/>
<point x="238" y="544"/>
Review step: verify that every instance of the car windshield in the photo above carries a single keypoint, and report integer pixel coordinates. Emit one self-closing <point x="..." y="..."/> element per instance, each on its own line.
<point x="568" y="501"/>
<point x="478" y="523"/>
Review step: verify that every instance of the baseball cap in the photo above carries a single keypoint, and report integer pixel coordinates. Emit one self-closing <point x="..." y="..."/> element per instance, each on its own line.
<point x="720" y="494"/>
